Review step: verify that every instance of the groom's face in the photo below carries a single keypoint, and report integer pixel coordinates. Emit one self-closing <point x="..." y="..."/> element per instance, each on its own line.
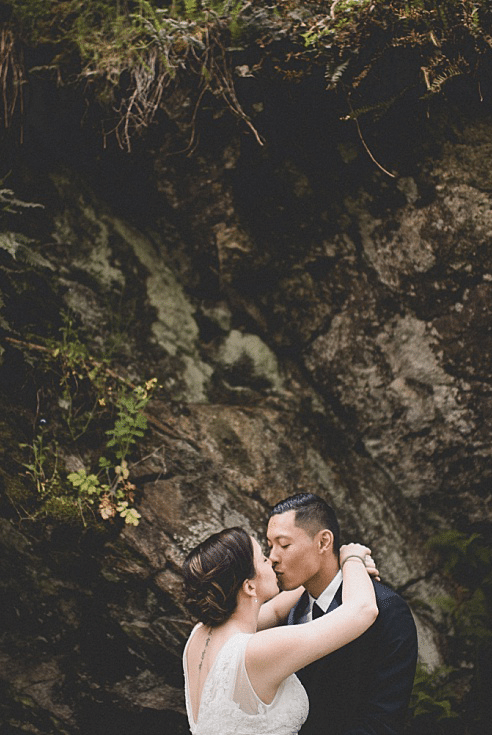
<point x="293" y="552"/>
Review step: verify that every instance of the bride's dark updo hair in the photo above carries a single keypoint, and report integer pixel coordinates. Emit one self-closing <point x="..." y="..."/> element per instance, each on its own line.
<point x="214" y="572"/>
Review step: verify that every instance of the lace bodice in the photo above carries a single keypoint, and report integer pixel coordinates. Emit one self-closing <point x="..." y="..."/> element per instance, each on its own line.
<point x="230" y="706"/>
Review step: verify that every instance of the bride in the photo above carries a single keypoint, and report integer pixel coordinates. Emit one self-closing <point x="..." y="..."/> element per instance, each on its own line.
<point x="239" y="661"/>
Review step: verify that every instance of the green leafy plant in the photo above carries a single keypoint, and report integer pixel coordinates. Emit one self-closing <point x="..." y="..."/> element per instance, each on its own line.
<point x="42" y="465"/>
<point x="111" y="486"/>
<point x="89" y="393"/>
<point x="86" y="484"/>
<point x="433" y="700"/>
<point x="131" y="423"/>
<point x="467" y="561"/>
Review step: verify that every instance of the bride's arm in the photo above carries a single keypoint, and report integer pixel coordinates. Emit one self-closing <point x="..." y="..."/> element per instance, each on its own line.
<point x="275" y="611"/>
<point x="272" y="655"/>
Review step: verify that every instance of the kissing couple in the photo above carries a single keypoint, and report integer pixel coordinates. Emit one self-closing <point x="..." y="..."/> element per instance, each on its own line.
<point x="333" y="653"/>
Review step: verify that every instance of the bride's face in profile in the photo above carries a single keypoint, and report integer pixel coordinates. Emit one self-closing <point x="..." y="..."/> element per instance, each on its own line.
<point x="266" y="579"/>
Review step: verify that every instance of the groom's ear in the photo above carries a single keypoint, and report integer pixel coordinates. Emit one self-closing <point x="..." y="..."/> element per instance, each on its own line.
<point x="325" y="540"/>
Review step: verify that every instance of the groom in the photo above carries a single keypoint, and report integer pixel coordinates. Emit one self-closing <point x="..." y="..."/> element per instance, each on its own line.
<point x="363" y="688"/>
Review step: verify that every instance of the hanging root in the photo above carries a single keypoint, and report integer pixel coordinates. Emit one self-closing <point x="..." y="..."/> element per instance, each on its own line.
<point x="11" y="77"/>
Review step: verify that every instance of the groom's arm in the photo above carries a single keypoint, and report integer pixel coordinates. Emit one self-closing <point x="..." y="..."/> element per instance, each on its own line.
<point x="275" y="611"/>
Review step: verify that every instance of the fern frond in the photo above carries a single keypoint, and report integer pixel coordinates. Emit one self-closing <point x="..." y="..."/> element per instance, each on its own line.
<point x="191" y="7"/>
<point x="10" y="203"/>
<point x="18" y="247"/>
<point x="333" y="76"/>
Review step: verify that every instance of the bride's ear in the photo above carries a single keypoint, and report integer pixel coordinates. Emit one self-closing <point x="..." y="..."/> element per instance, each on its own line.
<point x="249" y="587"/>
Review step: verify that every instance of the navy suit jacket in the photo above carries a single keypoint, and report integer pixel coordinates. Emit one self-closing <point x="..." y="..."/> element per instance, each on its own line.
<point x="364" y="687"/>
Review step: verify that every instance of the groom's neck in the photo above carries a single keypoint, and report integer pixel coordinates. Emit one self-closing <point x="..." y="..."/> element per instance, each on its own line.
<point x="320" y="582"/>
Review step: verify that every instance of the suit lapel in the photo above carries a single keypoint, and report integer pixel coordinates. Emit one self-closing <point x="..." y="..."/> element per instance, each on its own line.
<point x="299" y="610"/>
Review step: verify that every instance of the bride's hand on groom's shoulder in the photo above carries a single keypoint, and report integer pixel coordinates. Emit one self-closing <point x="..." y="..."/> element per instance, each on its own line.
<point x="371" y="567"/>
<point x="364" y="553"/>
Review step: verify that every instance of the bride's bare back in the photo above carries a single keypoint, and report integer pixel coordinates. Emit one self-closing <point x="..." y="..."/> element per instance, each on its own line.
<point x="220" y="698"/>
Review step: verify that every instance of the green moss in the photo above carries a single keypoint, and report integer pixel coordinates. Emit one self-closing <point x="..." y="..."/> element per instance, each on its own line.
<point x="64" y="509"/>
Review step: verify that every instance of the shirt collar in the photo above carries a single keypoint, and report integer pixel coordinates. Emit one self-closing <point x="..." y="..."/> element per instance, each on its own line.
<point x="325" y="599"/>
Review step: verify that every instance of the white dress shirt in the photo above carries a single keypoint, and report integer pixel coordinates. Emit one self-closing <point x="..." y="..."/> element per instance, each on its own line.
<point x="325" y="599"/>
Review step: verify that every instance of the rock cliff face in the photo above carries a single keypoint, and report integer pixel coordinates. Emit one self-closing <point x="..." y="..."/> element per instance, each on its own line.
<point x="314" y="324"/>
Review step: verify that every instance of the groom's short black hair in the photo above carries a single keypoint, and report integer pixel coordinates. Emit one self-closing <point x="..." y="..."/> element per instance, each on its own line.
<point x="312" y="514"/>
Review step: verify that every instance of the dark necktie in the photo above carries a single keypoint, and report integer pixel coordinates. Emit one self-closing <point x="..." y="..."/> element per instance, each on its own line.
<point x="317" y="611"/>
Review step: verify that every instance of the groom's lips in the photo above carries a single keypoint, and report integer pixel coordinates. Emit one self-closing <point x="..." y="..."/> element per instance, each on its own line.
<point x="279" y="579"/>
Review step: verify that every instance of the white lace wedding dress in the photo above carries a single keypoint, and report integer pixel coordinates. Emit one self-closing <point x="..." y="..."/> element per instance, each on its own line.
<point x="229" y="704"/>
